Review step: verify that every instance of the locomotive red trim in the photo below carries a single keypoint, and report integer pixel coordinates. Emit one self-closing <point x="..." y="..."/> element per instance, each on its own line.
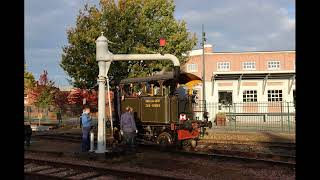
<point x="186" y="134"/>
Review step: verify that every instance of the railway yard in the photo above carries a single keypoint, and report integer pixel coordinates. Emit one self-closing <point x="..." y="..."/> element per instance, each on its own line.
<point x="56" y="154"/>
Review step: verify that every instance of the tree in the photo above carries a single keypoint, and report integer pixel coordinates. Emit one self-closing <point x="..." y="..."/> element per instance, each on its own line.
<point x="133" y="26"/>
<point x="60" y="100"/>
<point x="77" y="95"/>
<point x="29" y="80"/>
<point x="43" y="93"/>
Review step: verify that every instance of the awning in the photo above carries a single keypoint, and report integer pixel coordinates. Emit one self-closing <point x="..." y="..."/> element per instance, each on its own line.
<point x="248" y="76"/>
<point x="193" y="83"/>
<point x="265" y="76"/>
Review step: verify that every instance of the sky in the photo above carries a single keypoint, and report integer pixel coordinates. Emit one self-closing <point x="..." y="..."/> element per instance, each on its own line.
<point x="230" y="25"/>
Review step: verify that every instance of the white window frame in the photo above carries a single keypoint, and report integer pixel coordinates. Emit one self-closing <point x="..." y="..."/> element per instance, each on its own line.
<point x="274" y="65"/>
<point x="250" y="96"/>
<point x="192" y="67"/>
<point x="275" y="95"/>
<point x="223" y="66"/>
<point x="249" y="65"/>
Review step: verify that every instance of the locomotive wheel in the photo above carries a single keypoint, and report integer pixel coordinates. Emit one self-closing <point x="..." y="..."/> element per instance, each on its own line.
<point x="164" y="139"/>
<point x="193" y="143"/>
<point x="188" y="145"/>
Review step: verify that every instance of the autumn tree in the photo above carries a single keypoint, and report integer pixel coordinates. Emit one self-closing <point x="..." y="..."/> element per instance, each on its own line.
<point x="77" y="95"/>
<point x="43" y="93"/>
<point x="29" y="80"/>
<point x="131" y="26"/>
<point x="60" y="100"/>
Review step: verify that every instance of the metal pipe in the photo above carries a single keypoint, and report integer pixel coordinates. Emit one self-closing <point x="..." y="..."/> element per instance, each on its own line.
<point x="101" y="144"/>
<point x="110" y="111"/>
<point x="91" y="141"/>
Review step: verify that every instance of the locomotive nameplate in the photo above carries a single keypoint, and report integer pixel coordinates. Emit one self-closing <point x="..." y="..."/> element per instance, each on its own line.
<point x="152" y="103"/>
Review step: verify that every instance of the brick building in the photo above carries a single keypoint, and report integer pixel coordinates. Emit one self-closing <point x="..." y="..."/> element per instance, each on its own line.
<point x="244" y="77"/>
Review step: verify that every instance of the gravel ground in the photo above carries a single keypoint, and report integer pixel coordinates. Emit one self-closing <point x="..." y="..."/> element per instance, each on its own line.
<point x="157" y="162"/>
<point x="249" y="136"/>
<point x="207" y="147"/>
<point x="195" y="168"/>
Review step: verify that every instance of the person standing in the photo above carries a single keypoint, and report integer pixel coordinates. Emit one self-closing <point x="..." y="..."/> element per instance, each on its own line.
<point x="86" y="127"/>
<point x="59" y="118"/>
<point x="27" y="133"/>
<point x="128" y="128"/>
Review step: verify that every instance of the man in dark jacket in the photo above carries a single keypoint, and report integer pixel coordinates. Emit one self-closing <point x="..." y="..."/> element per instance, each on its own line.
<point x="27" y="133"/>
<point x="128" y="128"/>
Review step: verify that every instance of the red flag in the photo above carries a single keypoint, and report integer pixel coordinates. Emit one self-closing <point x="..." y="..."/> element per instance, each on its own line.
<point x="162" y="42"/>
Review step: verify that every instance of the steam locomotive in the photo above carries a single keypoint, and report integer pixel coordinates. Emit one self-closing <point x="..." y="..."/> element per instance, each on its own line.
<point x="163" y="110"/>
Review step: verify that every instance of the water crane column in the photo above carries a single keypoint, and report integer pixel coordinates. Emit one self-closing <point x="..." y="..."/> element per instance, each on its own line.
<point x="104" y="58"/>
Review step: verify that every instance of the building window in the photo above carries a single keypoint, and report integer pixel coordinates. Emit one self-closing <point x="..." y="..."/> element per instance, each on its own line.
<point x="223" y="66"/>
<point x="250" y="96"/>
<point x="225" y="97"/>
<point x="273" y="65"/>
<point x="249" y="65"/>
<point x="192" y="67"/>
<point x="274" y="95"/>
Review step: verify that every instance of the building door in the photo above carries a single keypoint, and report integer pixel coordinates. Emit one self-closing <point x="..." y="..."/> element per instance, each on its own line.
<point x="225" y="101"/>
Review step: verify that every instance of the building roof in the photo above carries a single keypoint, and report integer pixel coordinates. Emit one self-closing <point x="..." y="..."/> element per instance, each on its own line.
<point x="184" y="78"/>
<point x="198" y="52"/>
<point x="257" y="75"/>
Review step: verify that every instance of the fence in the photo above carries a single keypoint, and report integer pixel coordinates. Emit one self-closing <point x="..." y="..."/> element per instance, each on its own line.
<point x="252" y="116"/>
<point x="244" y="116"/>
<point x="51" y="116"/>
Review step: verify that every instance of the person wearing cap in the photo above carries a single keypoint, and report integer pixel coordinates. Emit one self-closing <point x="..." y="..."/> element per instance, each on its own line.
<point x="128" y="128"/>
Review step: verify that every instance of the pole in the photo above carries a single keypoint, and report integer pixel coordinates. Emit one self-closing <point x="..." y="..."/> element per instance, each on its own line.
<point x="288" y="117"/>
<point x="110" y="111"/>
<point x="203" y="73"/>
<point x="101" y="144"/>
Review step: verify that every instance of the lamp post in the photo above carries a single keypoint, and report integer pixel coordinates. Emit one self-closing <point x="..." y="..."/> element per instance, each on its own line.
<point x="203" y="73"/>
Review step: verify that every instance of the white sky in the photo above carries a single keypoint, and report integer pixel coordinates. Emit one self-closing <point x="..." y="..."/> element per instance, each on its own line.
<point x="231" y="25"/>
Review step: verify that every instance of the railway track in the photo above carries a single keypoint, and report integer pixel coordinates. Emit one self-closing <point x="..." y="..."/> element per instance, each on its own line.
<point x="282" y="145"/>
<point x="59" y="137"/>
<point x="274" y="159"/>
<point x="35" y="168"/>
